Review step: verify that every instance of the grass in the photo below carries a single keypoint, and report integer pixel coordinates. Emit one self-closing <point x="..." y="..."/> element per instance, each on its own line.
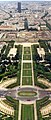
<point x="12" y="101"/>
<point x="12" y="85"/>
<point x="26" y="50"/>
<point x="27" y="57"/>
<point x="26" y="65"/>
<point x="8" y="103"/>
<point x="27" y="72"/>
<point x="27" y="81"/>
<point x="27" y="112"/>
<point x="27" y="93"/>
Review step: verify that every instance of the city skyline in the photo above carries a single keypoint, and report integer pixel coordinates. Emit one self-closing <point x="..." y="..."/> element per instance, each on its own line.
<point x="25" y="59"/>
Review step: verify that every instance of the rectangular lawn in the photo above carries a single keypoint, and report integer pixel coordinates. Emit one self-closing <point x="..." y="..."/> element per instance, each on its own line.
<point x="26" y="80"/>
<point x="26" y="65"/>
<point x="26" y="50"/>
<point x="27" y="57"/>
<point x="27" y="112"/>
<point x="27" y="72"/>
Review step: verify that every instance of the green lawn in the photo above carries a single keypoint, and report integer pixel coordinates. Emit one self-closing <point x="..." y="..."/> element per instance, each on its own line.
<point x="27" y="54"/>
<point x="27" y="72"/>
<point x="27" y="112"/>
<point x="26" y="65"/>
<point x="27" y="57"/>
<point x="27" y="81"/>
<point x="27" y="93"/>
<point x="26" y="50"/>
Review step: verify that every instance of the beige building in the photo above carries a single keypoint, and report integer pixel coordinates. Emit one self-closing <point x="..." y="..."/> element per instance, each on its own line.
<point x="12" y="52"/>
<point x="46" y="109"/>
<point x="6" y="27"/>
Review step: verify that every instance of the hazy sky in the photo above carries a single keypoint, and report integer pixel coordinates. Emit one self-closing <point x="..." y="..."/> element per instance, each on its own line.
<point x="25" y="0"/>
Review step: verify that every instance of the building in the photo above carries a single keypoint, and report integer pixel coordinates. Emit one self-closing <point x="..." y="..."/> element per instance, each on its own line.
<point x="7" y="27"/>
<point x="46" y="110"/>
<point x="26" y="23"/>
<point x="19" y="7"/>
<point x="43" y="25"/>
<point x="12" y="52"/>
<point x="41" y="52"/>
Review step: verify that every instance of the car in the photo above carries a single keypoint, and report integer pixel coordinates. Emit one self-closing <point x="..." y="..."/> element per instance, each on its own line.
<point x="28" y="100"/>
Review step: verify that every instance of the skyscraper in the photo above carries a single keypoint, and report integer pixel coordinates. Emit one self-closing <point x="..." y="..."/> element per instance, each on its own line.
<point x="19" y="7"/>
<point x="26" y="23"/>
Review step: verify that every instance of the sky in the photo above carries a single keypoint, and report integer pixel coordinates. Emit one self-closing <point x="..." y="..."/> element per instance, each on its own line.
<point x="25" y="0"/>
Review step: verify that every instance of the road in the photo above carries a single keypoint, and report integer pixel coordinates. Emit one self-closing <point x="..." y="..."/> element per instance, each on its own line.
<point x="14" y="93"/>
